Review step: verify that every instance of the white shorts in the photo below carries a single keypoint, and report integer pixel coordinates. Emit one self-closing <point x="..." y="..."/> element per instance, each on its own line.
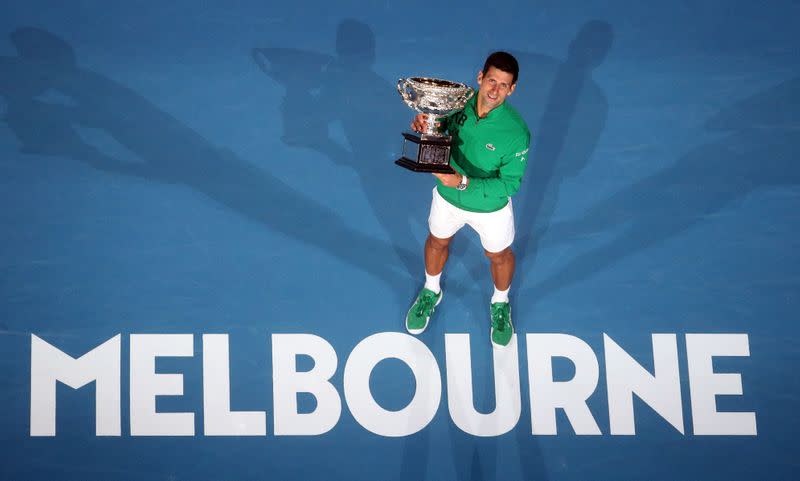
<point x="496" y="229"/>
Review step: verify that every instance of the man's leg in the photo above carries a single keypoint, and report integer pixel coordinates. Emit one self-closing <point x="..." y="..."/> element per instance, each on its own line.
<point x="497" y="235"/>
<point x="436" y="253"/>
<point x="501" y="265"/>
<point x="443" y="223"/>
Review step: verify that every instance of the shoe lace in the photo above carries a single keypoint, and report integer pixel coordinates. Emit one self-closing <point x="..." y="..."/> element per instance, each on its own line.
<point x="425" y="304"/>
<point x="500" y="316"/>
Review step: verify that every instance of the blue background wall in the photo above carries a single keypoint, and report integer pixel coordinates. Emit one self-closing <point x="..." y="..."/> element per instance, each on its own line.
<point x="181" y="184"/>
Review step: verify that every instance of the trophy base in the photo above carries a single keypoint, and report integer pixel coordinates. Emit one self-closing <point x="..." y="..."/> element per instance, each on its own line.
<point x="409" y="164"/>
<point x="426" y="153"/>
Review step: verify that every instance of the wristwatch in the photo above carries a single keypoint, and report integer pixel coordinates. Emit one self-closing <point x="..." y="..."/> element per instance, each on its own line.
<point x="463" y="184"/>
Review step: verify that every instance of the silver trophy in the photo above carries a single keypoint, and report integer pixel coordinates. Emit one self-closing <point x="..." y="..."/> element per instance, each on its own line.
<point x="430" y="151"/>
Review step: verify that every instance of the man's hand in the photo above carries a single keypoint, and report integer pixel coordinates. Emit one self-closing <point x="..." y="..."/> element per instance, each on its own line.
<point x="449" y="180"/>
<point x="420" y="123"/>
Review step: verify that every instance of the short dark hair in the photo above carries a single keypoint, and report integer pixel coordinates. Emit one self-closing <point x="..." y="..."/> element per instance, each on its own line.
<point x="503" y="61"/>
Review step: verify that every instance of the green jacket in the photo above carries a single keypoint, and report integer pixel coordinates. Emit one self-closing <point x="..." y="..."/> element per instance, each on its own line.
<point x="491" y="151"/>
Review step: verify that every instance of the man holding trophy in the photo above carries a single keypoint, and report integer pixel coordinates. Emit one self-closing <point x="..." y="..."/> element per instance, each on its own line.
<point x="487" y="150"/>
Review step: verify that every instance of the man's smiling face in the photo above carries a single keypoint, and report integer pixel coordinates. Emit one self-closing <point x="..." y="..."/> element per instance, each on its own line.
<point x="495" y="86"/>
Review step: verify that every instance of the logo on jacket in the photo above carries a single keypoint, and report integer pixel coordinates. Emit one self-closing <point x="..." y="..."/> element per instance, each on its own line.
<point x="490" y="147"/>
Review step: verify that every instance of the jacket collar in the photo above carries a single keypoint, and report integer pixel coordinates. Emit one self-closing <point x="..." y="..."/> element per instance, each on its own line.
<point x="473" y="104"/>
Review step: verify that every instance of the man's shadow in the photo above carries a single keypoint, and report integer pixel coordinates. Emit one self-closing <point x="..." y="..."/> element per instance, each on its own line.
<point x="758" y="151"/>
<point x="565" y="136"/>
<point x="167" y="150"/>
<point x="566" y="112"/>
<point x="325" y="89"/>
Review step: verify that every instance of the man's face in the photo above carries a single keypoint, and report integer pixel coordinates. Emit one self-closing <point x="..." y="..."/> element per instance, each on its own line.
<point x="495" y="86"/>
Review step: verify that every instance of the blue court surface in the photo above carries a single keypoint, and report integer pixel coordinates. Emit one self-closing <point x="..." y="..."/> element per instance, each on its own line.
<point x="207" y="251"/>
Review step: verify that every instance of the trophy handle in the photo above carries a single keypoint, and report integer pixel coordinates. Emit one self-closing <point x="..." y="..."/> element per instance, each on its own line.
<point x="409" y="95"/>
<point x="401" y="86"/>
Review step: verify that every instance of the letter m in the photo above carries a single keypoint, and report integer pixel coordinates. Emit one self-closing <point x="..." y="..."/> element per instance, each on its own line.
<point x="101" y="365"/>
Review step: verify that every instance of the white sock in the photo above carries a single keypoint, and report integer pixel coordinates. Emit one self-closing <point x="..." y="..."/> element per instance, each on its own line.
<point x="500" y="296"/>
<point x="432" y="282"/>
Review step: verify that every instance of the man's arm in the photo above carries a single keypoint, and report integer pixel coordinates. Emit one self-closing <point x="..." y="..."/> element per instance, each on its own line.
<point x="509" y="176"/>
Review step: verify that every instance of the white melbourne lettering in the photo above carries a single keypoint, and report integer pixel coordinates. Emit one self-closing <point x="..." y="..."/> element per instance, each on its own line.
<point x="659" y="388"/>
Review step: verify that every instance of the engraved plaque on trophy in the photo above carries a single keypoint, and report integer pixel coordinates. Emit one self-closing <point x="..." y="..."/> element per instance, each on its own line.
<point x="429" y="151"/>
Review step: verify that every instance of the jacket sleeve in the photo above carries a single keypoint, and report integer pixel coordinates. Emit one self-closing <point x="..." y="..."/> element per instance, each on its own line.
<point x="509" y="175"/>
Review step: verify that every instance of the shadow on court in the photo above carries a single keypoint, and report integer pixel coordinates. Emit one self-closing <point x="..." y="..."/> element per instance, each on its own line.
<point x="48" y="95"/>
<point x="758" y="150"/>
<point x="325" y="90"/>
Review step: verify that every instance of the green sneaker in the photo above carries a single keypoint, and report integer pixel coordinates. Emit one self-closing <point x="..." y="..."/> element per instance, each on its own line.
<point x="502" y="329"/>
<point x="420" y="313"/>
